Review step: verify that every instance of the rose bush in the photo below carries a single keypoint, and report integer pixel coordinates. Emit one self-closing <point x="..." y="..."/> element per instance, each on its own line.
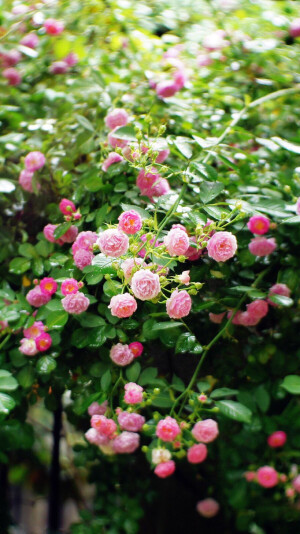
<point x="150" y="264"/>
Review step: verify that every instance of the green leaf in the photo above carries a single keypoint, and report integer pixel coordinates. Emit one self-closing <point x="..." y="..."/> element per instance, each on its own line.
<point x="7" y="381"/>
<point x="112" y="288"/>
<point x="234" y="410"/>
<point x="94" y="278"/>
<point x="6" y="186"/>
<point x="185" y="343"/>
<point x="223" y="392"/>
<point x="19" y="265"/>
<point x="46" y="365"/>
<point x="159" y="327"/>
<point x="7" y="403"/>
<point x="125" y="132"/>
<point x="104" y="264"/>
<point x="38" y="266"/>
<point x="61" y="229"/>
<point x="105" y="380"/>
<point x="287" y="145"/>
<point x="26" y="377"/>
<point x="101" y="214"/>
<point x="291" y="383"/>
<point x="148" y="375"/>
<point x="262" y="398"/>
<point x="184" y="145"/>
<point x="143" y="213"/>
<point x="210" y="190"/>
<point x="292" y="220"/>
<point x="162" y="400"/>
<point x="88" y="320"/>
<point x="87" y="125"/>
<point x="27" y="250"/>
<point x="57" y="319"/>
<point x="132" y="372"/>
<point x="281" y="300"/>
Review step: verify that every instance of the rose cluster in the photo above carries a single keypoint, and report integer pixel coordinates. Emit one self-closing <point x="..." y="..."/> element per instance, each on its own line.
<point x="35" y="339"/>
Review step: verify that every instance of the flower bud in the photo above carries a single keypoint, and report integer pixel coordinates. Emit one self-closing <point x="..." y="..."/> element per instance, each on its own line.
<point x="145" y="448"/>
<point x="182" y="259"/>
<point x="156" y="391"/>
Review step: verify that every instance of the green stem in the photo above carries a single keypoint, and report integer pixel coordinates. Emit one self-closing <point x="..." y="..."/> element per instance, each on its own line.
<point x="5" y="341"/>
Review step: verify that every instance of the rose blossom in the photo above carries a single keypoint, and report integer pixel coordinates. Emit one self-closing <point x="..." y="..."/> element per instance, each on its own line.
<point x="67" y="207"/>
<point x="113" y="157"/>
<point x="34" y="161"/>
<point x="43" y="342"/>
<point x="58" y="67"/>
<point x="10" y="58"/>
<point x="222" y="246"/>
<point x="193" y="253"/>
<point x="36" y="298"/>
<point x="121" y="354"/>
<point x="68" y="286"/>
<point x="203" y="60"/>
<point x="71" y="59"/>
<point x="151" y="184"/>
<point x="162" y="155"/>
<point x="30" y="40"/>
<point x="132" y="422"/>
<point x="85" y="240"/>
<point x="145" y="285"/>
<point x="216" y="318"/>
<point x="167" y="429"/>
<point x="103" y="425"/>
<point x="97" y="409"/>
<point x="262" y="246"/>
<point x="277" y="439"/>
<point x="258" y="224"/>
<point x="35" y="330"/>
<point x="116" y="118"/>
<point x="128" y="265"/>
<point x="160" y="455"/>
<point x="70" y="235"/>
<point x="166" y="89"/>
<point x="28" y="347"/>
<point x="296" y="483"/>
<point x="130" y="222"/>
<point x="122" y="305"/>
<point x="208" y="507"/>
<point x="83" y="258"/>
<point x="115" y="141"/>
<point x="12" y="76"/>
<point x="136" y="348"/>
<point x="133" y="393"/>
<point x="25" y="180"/>
<point x="250" y="476"/>
<point x="295" y="28"/>
<point x="177" y="242"/>
<point x="53" y="27"/>
<point x="75" y="303"/>
<point x="267" y="476"/>
<point x="113" y="243"/>
<point x="184" y="278"/>
<point x="165" y="469"/>
<point x="92" y="436"/>
<point x="179" y="304"/>
<point x="48" y="286"/>
<point x="126" y="442"/>
<point x="48" y="231"/>
<point x="278" y="289"/>
<point x="197" y="453"/>
<point x="256" y="310"/>
<point x="206" y="430"/>
<point x="143" y="238"/>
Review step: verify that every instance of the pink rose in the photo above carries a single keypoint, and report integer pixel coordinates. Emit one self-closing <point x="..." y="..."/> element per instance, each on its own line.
<point x="121" y="354"/>
<point x="179" y="304"/>
<point x="136" y="348"/>
<point x="208" y="507"/>
<point x="193" y="253"/>
<point x="126" y="443"/>
<point x="133" y="393"/>
<point x="250" y="476"/>
<point x="295" y="28"/>
<point x="70" y="235"/>
<point x="69" y="286"/>
<point x="92" y="436"/>
<point x="53" y="27"/>
<point x="267" y="476"/>
<point x="116" y="118"/>
<point x="278" y="289"/>
<point x="28" y="347"/>
<point x="197" y="453"/>
<point x="30" y="40"/>
<point x="113" y="157"/>
<point x="184" y="278"/>
<point x="258" y="224"/>
<point x="71" y="59"/>
<point x="35" y="330"/>
<point x="48" y="286"/>
<point x="123" y="305"/>
<point x="34" y="161"/>
<point x="165" y="469"/>
<point x="277" y="439"/>
<point x="145" y="285"/>
<point x="216" y="318"/>
<point x="113" y="243"/>
<point x="12" y="76"/>
<point x="166" y="89"/>
<point x="132" y="422"/>
<point x="58" y="67"/>
<point x="97" y="409"/>
<point x="162" y="155"/>
<point x="296" y="483"/>
<point x="130" y="222"/>
<point x="128" y="265"/>
<point x="49" y="234"/>
<point x="177" y="242"/>
<point x="67" y="207"/>
<point x="43" y="342"/>
<point x="36" y="298"/>
<point x="103" y="425"/>
<point x="151" y="184"/>
<point x="115" y="141"/>
<point x="75" y="303"/>
<point x="85" y="240"/>
<point x="204" y="60"/>
<point x="167" y="429"/>
<point x="10" y="58"/>
<point x="25" y="180"/>
<point x="262" y="246"/>
<point x="83" y="258"/>
<point x="206" y="430"/>
<point x="222" y="246"/>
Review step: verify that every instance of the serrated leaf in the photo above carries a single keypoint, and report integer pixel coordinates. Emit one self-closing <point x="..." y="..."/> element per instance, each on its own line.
<point x="234" y="410"/>
<point x="87" y="125"/>
<point x="223" y="392"/>
<point x="184" y="145"/>
<point x="104" y="263"/>
<point x="210" y="190"/>
<point x="57" y="319"/>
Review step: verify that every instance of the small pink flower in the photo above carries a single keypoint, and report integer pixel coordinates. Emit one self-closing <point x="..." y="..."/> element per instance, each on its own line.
<point x="71" y="59"/>
<point x="197" y="453"/>
<point x="67" y="207"/>
<point x="132" y="422"/>
<point x="70" y="235"/>
<point x="12" y="76"/>
<point x="208" y="507"/>
<point x="151" y="184"/>
<point x="34" y="161"/>
<point x="216" y="318"/>
<point x="10" y="58"/>
<point x="53" y="27"/>
<point x="256" y="310"/>
<point x="128" y="265"/>
<point x="166" y="89"/>
<point x="133" y="393"/>
<point x="204" y="60"/>
<point x="184" y="278"/>
<point x="295" y="28"/>
<point x="115" y="141"/>
<point x="180" y="78"/>
<point x="179" y="304"/>
<point x="162" y="155"/>
<point x="130" y="222"/>
<point x="165" y="469"/>
<point x="206" y="430"/>
<point x="116" y="118"/>
<point x="30" y="40"/>
<point x="222" y="246"/>
<point x="113" y="243"/>
<point x="36" y="298"/>
<point x="25" y="180"/>
<point x="267" y="476"/>
<point x="49" y="233"/>
<point x="123" y="305"/>
<point x="290" y="493"/>
<point x="83" y="258"/>
<point x="126" y="442"/>
<point x="167" y="429"/>
<point x="113" y="157"/>
<point x="258" y="224"/>
<point x="75" y="303"/>
<point x="97" y="409"/>
<point x="92" y="436"/>
<point x="250" y="476"/>
<point x="43" y="342"/>
<point x="28" y="347"/>
<point x="160" y="455"/>
<point x="193" y="253"/>
<point x="69" y="286"/>
<point x="177" y="242"/>
<point x="298" y="203"/>
<point x="35" y="330"/>
<point x="103" y="425"/>
<point x="202" y="397"/>
<point x="58" y="67"/>
<point x="136" y="348"/>
<point x="85" y="240"/>
<point x="296" y="483"/>
<point x="262" y="246"/>
<point x="145" y="285"/>
<point x="48" y="286"/>
<point x="121" y="354"/>
<point x="278" y="289"/>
